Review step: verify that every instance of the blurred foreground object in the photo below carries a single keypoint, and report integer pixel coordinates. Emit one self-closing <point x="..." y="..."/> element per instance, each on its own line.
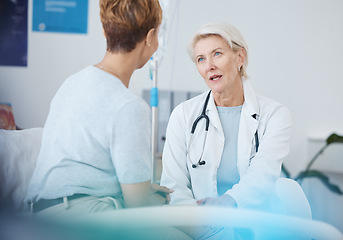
<point x="6" y="117"/>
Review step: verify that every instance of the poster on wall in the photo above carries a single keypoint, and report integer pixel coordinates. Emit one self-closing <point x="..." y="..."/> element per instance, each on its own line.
<point x="13" y="32"/>
<point x="61" y="16"/>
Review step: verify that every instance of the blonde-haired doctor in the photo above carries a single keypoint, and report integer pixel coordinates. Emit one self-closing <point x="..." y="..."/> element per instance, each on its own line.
<point x="237" y="160"/>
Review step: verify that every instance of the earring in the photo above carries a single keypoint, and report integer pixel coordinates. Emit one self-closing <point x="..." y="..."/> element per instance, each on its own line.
<point x="239" y="69"/>
<point x="147" y="44"/>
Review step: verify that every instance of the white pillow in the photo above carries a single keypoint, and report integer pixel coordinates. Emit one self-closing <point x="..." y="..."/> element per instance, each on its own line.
<point x="18" y="155"/>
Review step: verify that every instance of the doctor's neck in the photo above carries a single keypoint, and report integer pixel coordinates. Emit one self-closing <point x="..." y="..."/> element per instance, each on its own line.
<point x="230" y="98"/>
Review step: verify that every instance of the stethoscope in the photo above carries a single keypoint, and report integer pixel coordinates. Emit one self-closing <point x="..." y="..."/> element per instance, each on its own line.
<point x="195" y="123"/>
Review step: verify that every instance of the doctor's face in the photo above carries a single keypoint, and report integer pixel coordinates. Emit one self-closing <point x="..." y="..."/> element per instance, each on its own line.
<point x="218" y="64"/>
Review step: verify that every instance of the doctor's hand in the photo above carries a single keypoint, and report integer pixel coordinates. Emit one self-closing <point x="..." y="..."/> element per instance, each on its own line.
<point x="225" y="200"/>
<point x="159" y="194"/>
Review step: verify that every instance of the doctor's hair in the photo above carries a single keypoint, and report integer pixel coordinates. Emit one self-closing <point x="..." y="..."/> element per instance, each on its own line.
<point x="229" y="33"/>
<point x="127" y="22"/>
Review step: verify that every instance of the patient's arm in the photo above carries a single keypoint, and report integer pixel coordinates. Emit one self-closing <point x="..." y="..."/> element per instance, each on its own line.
<point x="144" y="194"/>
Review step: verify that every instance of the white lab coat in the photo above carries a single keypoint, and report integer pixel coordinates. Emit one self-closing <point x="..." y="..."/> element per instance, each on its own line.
<point x="258" y="171"/>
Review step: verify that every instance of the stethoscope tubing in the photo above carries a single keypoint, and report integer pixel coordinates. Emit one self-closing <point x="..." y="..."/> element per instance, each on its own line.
<point x="195" y="123"/>
<point x="203" y="115"/>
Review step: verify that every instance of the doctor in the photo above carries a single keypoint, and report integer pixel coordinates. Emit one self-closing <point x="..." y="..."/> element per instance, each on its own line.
<point x="236" y="159"/>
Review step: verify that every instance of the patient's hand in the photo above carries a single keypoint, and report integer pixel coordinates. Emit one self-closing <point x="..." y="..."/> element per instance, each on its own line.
<point x="144" y="194"/>
<point x="160" y="194"/>
<point x="224" y="200"/>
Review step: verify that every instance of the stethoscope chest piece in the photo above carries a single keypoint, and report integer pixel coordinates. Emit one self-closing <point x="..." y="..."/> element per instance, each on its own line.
<point x="198" y="163"/>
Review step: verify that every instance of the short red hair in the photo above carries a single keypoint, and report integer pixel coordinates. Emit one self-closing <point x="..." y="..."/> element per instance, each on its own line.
<point x="127" y="22"/>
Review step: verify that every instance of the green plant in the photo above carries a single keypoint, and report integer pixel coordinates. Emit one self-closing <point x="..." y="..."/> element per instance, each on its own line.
<point x="333" y="138"/>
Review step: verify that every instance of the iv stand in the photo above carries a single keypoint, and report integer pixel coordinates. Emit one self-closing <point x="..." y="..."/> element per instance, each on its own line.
<point x="154" y="125"/>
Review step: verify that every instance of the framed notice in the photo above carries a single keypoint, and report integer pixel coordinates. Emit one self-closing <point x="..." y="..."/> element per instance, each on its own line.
<point x="62" y="16"/>
<point x="13" y="32"/>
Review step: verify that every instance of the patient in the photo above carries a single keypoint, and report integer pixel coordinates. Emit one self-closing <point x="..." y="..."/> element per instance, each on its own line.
<point x="95" y="153"/>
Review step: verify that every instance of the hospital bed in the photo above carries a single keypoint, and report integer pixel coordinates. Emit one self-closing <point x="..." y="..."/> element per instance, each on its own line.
<point x="18" y="154"/>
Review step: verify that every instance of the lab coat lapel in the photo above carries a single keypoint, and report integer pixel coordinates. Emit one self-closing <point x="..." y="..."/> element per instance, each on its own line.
<point x="247" y="127"/>
<point x="215" y="136"/>
<point x="213" y="115"/>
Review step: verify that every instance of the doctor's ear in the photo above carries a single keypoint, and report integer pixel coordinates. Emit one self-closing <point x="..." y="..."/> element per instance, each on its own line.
<point x="241" y="55"/>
